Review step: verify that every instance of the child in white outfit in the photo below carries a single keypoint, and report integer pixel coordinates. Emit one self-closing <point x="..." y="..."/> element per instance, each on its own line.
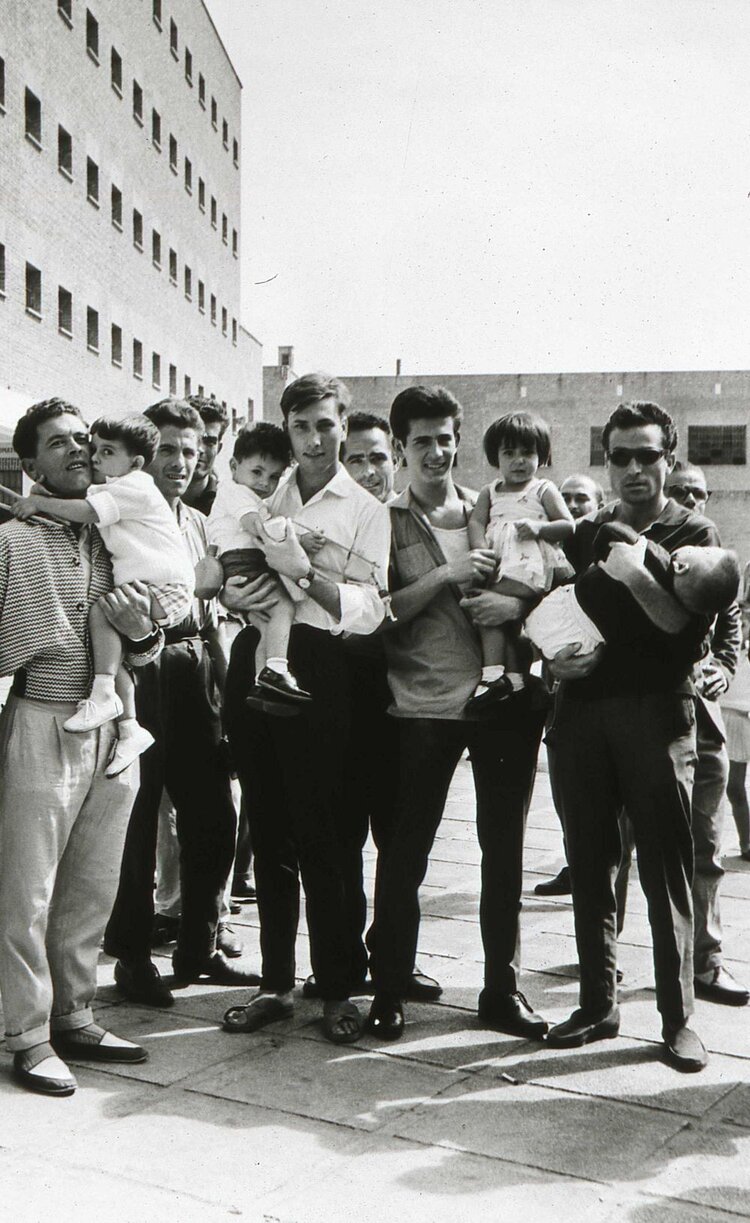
<point x="523" y="519"/>
<point x="142" y="537"/>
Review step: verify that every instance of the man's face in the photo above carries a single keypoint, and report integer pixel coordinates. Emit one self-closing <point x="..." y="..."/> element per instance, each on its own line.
<point x="368" y="458"/>
<point x="429" y="450"/>
<point x="639" y="482"/>
<point x="208" y="449"/>
<point x="174" y="464"/>
<point x="316" y="433"/>
<point x="688" y="488"/>
<point x="580" y="495"/>
<point x="63" y="456"/>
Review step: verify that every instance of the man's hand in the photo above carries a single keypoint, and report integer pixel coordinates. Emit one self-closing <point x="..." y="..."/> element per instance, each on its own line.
<point x="489" y="609"/>
<point x="479" y="563"/>
<point x="713" y="680"/>
<point x="128" y="609"/>
<point x="527" y="528"/>
<point x="569" y="663"/>
<point x="254" y="597"/>
<point x="287" y="557"/>
<point x="625" y="561"/>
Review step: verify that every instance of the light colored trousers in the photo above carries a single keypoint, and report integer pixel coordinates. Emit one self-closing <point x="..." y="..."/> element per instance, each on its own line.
<point x="62" y="828"/>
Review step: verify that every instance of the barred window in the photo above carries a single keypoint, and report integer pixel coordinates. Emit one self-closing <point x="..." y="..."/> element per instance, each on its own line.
<point x="64" y="311"/>
<point x="33" y="290"/>
<point x="714" y="445"/>
<point x="596" y="448"/>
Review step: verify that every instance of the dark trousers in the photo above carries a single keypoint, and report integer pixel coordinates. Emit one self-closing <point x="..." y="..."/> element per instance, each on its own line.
<point x="291" y="772"/>
<point x="637" y="752"/>
<point x="503" y="755"/>
<point x="176" y="701"/>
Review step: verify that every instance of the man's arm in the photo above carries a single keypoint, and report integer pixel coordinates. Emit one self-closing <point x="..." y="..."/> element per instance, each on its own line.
<point x="409" y="601"/>
<point x="624" y="565"/>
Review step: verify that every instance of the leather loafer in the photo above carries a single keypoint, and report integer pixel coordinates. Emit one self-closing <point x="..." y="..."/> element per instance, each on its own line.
<point x="510" y="1013"/>
<point x="684" y="1049"/>
<point x="43" y="1084"/>
<point x="386" y="1018"/>
<point x="216" y="969"/>
<point x="227" y="942"/>
<point x="559" y="886"/>
<point x="142" y="983"/>
<point x="722" y="988"/>
<point x="422" y="988"/>
<point x="582" y="1029"/>
<point x="90" y="1044"/>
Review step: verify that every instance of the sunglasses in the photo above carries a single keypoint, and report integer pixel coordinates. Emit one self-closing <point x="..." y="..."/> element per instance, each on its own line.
<point x="644" y="456"/>
<point x="681" y="493"/>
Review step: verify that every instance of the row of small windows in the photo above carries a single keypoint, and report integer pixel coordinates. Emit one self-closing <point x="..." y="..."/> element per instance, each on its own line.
<point x="708" y="446"/>
<point x="65" y="9"/>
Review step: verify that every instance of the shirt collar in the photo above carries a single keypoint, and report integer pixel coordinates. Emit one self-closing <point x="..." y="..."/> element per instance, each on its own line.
<point x="340" y="484"/>
<point x="407" y="501"/>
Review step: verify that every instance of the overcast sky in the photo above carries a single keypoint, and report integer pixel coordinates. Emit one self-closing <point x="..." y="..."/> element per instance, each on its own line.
<point x="495" y="185"/>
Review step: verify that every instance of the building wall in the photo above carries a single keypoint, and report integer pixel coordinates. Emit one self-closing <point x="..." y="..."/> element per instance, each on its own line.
<point x="46" y="219"/>
<point x="573" y="403"/>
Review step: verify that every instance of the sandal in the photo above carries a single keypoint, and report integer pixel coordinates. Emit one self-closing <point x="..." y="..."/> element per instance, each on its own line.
<point x="259" y="1011"/>
<point x="337" y="1031"/>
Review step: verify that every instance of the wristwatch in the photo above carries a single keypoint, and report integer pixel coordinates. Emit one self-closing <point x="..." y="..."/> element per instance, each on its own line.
<point x="305" y="581"/>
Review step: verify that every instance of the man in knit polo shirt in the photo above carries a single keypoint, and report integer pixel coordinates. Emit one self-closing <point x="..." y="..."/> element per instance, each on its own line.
<point x="62" y="822"/>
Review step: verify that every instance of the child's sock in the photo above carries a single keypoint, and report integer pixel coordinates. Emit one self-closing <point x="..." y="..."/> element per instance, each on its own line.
<point x="102" y="689"/>
<point x="490" y="674"/>
<point x="280" y="665"/>
<point x="517" y="680"/>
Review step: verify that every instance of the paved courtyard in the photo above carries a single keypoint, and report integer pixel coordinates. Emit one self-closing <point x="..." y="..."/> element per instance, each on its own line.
<point x="452" y="1123"/>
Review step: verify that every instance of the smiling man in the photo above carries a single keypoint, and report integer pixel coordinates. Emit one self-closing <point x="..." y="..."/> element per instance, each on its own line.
<point x="201" y="492"/>
<point x="62" y="821"/>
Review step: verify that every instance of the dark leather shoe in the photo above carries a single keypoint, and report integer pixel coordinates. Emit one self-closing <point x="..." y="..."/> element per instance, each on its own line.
<point x="43" y="1084"/>
<point x="684" y="1049"/>
<point x="722" y="988"/>
<point x="559" y="886"/>
<point x="264" y="701"/>
<point x="491" y="694"/>
<point x="142" y="983"/>
<point x="217" y="969"/>
<point x="510" y="1013"/>
<point x="284" y="686"/>
<point x="89" y="1044"/>
<point x="243" y="891"/>
<point x="164" y="930"/>
<point x="227" y="942"/>
<point x="582" y="1029"/>
<point x="422" y="988"/>
<point x="386" y="1018"/>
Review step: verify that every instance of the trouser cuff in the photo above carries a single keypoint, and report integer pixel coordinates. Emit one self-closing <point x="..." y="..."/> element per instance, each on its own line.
<point x="27" y="1040"/>
<point x="72" y="1021"/>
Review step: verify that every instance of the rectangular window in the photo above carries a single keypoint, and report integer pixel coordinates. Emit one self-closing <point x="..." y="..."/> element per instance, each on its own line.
<point x="137" y="230"/>
<point x="64" y="311"/>
<point x="173" y="266"/>
<point x="116" y="207"/>
<point x="188" y="176"/>
<point x="596" y="449"/>
<point x="2" y="85"/>
<point x="224" y="228"/>
<point x="213" y="212"/>
<point x="92" y="329"/>
<point x="2" y="269"/>
<point x="213" y="310"/>
<point x="201" y="195"/>
<point x="116" y="345"/>
<point x="33" y="290"/>
<point x="155" y="370"/>
<point x="202" y="90"/>
<point x="65" y="152"/>
<point x="33" y="118"/>
<point x="173" y="154"/>
<point x="234" y="330"/>
<point x="137" y="103"/>
<point x="201" y="297"/>
<point x="200" y="389"/>
<point x="115" y="71"/>
<point x="156" y="248"/>
<point x="214" y="115"/>
<point x="156" y="13"/>
<point x="235" y="243"/>
<point x="188" y="67"/>
<point x="173" y="39"/>
<point x="224" y="320"/>
<point x="92" y="36"/>
<point x="137" y="359"/>
<point x="173" y="379"/>
<point x="156" y="130"/>
<point x="188" y="283"/>
<point x="236" y="152"/>
<point x="714" y="445"/>
<point x="92" y="182"/>
<point x="250" y="411"/>
<point x="65" y="9"/>
<point x="225" y="133"/>
<point x="188" y="386"/>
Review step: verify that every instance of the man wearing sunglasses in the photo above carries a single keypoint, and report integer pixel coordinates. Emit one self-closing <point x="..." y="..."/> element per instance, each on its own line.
<point x="625" y="736"/>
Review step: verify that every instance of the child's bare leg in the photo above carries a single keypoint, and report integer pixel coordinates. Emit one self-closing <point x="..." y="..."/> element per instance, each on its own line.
<point x="103" y="704"/>
<point x="125" y="689"/>
<point x="275" y="675"/>
<point x="494" y="646"/>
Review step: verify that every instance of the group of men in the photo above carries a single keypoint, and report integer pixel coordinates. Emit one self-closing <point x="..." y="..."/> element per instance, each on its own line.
<point x="386" y="643"/>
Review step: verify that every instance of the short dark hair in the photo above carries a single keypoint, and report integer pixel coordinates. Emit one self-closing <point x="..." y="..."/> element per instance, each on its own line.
<point x="264" y="439"/>
<point x="177" y="412"/>
<point x="210" y="411"/>
<point x="138" y="434"/>
<point x="26" y="433"/>
<point x="637" y="413"/>
<point x="311" y="388"/>
<point x="423" y="403"/>
<point x="520" y="429"/>
<point x="358" y="422"/>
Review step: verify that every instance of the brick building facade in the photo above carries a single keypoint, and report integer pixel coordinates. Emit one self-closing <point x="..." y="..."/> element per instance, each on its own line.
<point x="120" y="150"/>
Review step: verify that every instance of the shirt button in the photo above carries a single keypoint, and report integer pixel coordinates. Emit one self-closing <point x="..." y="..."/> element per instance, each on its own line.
<point x="76" y="560"/>
<point x="80" y="606"/>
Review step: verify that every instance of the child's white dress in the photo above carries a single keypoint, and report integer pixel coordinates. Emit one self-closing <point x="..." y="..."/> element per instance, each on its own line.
<point x="535" y="563"/>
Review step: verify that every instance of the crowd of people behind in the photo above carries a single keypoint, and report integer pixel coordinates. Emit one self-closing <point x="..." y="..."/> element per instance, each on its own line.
<point x="337" y="647"/>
